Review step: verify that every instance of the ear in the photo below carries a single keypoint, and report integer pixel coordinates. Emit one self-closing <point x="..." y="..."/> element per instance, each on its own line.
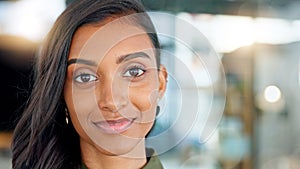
<point x="162" y="76"/>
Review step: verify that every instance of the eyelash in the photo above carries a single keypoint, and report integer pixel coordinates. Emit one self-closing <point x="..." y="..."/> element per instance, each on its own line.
<point x="135" y="67"/>
<point x="79" y="77"/>
<point x="92" y="78"/>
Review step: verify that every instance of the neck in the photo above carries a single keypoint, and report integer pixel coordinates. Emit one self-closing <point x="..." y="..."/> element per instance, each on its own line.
<point x="94" y="158"/>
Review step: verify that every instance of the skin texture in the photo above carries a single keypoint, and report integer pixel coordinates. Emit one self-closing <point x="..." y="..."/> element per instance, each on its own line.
<point x="111" y="92"/>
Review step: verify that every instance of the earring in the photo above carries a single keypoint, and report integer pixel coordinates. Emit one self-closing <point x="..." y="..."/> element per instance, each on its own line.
<point x="157" y="110"/>
<point x="67" y="116"/>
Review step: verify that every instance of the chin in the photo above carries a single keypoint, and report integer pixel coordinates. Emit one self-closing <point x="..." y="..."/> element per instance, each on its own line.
<point x="122" y="148"/>
<point x="130" y="143"/>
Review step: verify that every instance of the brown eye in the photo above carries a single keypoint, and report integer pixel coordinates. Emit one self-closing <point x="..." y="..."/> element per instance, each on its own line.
<point x="134" y="72"/>
<point x="85" y="78"/>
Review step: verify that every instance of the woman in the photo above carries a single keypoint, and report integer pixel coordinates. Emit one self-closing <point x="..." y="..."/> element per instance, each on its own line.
<point x="98" y="79"/>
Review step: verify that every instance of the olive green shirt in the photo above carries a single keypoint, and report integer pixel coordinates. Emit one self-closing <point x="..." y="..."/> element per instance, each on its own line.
<point x="153" y="161"/>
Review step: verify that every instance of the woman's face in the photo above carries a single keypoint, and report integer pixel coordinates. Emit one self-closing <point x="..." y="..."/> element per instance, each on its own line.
<point x="112" y="86"/>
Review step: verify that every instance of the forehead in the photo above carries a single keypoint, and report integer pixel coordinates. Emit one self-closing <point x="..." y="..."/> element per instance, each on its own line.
<point x="92" y="41"/>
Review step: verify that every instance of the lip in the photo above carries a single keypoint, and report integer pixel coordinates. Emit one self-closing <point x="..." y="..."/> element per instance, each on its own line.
<point x="115" y="126"/>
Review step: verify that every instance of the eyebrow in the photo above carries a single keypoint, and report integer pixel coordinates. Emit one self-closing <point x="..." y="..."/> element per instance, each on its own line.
<point x="120" y="59"/>
<point x="127" y="57"/>
<point x="82" y="61"/>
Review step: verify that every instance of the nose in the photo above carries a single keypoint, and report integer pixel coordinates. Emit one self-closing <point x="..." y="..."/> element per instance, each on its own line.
<point x="112" y="96"/>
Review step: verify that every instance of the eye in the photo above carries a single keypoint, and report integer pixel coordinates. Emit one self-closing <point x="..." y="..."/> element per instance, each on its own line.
<point x="85" y="78"/>
<point x="134" y="72"/>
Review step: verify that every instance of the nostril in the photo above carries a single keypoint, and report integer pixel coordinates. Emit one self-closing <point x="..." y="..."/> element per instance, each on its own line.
<point x="111" y="97"/>
<point x="112" y="106"/>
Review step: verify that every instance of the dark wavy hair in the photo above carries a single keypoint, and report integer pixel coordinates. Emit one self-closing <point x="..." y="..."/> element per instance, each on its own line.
<point x="42" y="139"/>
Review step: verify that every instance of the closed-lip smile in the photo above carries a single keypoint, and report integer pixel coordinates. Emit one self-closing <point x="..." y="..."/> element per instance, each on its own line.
<point x="115" y="126"/>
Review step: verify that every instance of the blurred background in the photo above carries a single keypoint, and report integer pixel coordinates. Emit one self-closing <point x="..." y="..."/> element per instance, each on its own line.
<point x="244" y="69"/>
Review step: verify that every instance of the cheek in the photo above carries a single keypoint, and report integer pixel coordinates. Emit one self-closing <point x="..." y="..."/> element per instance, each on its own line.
<point x="144" y="95"/>
<point x="79" y="104"/>
<point x="144" y="98"/>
